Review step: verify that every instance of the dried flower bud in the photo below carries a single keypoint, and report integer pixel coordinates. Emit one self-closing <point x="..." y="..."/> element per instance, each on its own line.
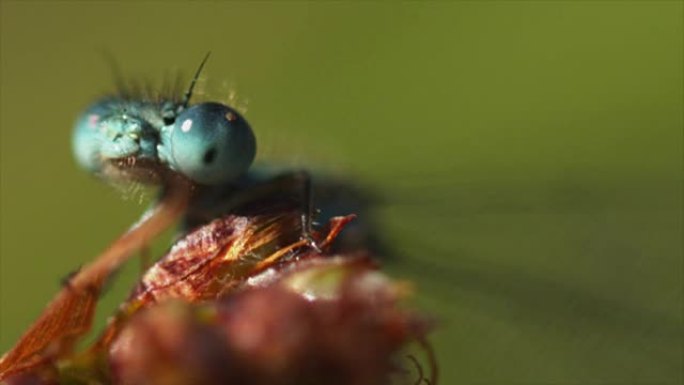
<point x="171" y="343"/>
<point x="275" y="334"/>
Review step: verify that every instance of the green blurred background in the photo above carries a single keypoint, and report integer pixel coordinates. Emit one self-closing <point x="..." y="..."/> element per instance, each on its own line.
<point x="530" y="154"/>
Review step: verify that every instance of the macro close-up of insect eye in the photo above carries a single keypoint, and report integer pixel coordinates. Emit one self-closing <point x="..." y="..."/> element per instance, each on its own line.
<point x="209" y="143"/>
<point x="341" y="193"/>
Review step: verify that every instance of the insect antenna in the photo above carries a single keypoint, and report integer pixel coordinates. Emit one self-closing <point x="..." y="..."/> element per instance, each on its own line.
<point x="188" y="93"/>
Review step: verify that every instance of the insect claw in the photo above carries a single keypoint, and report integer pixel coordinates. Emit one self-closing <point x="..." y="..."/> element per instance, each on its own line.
<point x="310" y="241"/>
<point x="306" y="225"/>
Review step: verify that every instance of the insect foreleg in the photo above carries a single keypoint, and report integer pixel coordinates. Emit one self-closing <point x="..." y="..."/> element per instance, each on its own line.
<point x="153" y="222"/>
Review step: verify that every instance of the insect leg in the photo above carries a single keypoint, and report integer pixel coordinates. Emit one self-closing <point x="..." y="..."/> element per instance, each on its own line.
<point x="307" y="208"/>
<point x="299" y="181"/>
<point x="294" y="186"/>
<point x="145" y="258"/>
<point x="69" y="315"/>
<point x="153" y="222"/>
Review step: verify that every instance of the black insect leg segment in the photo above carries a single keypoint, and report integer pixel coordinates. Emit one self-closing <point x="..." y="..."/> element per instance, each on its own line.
<point x="210" y="202"/>
<point x="299" y="183"/>
<point x="307" y="207"/>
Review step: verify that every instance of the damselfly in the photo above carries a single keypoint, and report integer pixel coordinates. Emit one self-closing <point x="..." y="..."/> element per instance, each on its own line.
<point x="245" y="224"/>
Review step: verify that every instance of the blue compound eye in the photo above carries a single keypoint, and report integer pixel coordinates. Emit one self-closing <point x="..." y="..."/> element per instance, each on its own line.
<point x="209" y="142"/>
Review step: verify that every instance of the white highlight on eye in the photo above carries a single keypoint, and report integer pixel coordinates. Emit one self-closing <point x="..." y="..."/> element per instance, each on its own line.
<point x="187" y="125"/>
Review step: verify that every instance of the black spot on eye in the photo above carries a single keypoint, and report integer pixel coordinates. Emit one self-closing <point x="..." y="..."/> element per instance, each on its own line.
<point x="209" y="156"/>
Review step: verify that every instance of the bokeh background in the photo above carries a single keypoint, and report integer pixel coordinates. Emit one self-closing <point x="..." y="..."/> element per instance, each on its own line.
<point x="529" y="155"/>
